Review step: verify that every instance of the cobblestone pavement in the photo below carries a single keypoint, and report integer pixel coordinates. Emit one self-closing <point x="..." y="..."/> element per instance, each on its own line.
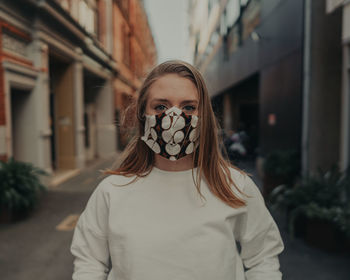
<point x="34" y="249"/>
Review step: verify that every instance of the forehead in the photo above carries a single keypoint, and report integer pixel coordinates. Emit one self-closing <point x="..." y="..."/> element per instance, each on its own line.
<point x="173" y="87"/>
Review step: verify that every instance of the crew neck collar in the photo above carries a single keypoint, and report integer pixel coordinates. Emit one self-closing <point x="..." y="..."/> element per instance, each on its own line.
<point x="158" y="170"/>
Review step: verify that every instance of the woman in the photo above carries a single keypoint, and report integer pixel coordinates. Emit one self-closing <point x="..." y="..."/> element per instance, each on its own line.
<point x="174" y="208"/>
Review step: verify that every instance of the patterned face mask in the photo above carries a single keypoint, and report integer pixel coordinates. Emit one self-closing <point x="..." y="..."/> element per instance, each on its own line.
<point x="171" y="134"/>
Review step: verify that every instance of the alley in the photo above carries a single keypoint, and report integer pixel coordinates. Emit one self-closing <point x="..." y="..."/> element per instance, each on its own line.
<point x="275" y="74"/>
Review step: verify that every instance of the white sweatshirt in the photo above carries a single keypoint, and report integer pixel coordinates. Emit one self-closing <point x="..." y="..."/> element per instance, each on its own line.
<point x="158" y="228"/>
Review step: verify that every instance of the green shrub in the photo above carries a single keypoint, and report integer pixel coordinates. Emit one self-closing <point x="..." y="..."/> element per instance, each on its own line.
<point x="283" y="164"/>
<point x="20" y="186"/>
<point x="324" y="196"/>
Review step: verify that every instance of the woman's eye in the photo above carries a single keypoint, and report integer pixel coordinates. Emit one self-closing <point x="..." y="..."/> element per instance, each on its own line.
<point x="189" y="108"/>
<point x="160" y="108"/>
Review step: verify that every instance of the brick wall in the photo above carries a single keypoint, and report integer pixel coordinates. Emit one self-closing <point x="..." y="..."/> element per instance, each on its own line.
<point x="133" y="42"/>
<point x="2" y="85"/>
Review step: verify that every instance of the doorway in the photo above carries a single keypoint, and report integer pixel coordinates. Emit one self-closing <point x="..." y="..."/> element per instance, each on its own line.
<point x="22" y="118"/>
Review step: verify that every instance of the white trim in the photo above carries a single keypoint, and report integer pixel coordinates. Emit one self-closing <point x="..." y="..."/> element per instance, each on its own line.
<point x="96" y="68"/>
<point x="57" y="44"/>
<point x="21" y="70"/>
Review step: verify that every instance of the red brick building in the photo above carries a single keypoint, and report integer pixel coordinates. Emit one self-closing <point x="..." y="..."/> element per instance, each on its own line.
<point x="135" y="52"/>
<point x="68" y="68"/>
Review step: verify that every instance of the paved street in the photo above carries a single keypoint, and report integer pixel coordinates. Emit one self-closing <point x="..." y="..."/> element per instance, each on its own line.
<point x="35" y="250"/>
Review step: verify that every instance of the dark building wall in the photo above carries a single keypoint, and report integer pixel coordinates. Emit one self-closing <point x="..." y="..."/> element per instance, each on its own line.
<point x="280" y="28"/>
<point x="280" y="95"/>
<point x="277" y="59"/>
<point x="325" y="89"/>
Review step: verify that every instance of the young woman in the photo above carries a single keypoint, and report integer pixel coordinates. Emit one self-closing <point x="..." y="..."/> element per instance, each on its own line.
<point x="175" y="208"/>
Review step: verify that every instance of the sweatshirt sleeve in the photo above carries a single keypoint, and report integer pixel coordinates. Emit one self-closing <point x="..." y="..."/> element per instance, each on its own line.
<point x="90" y="244"/>
<point x="259" y="237"/>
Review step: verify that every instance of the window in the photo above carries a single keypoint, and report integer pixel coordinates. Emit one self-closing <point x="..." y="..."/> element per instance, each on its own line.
<point x="244" y="3"/>
<point x="88" y="16"/>
<point x="223" y="24"/>
<point x="233" y="10"/>
<point x="196" y="44"/>
<point x="124" y="7"/>
<point x="211" y="4"/>
<point x="65" y="4"/>
<point x="251" y="18"/>
<point x="126" y="45"/>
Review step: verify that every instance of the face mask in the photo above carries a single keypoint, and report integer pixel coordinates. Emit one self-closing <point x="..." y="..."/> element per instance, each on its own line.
<point x="171" y="134"/>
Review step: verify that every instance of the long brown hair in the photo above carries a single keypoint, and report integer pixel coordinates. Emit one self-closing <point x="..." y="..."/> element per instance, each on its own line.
<point x="138" y="159"/>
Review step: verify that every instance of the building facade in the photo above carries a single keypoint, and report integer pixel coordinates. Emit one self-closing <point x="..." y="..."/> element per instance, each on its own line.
<point x="60" y="76"/>
<point x="135" y="55"/>
<point x="343" y="7"/>
<point x="273" y="67"/>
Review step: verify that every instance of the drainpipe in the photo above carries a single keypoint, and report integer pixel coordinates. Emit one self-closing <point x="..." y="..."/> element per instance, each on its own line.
<point x="306" y="87"/>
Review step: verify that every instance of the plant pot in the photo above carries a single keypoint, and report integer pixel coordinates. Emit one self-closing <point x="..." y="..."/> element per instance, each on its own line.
<point x="324" y="235"/>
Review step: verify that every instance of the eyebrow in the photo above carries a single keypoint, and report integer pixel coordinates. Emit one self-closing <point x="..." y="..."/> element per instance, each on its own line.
<point x="167" y="101"/>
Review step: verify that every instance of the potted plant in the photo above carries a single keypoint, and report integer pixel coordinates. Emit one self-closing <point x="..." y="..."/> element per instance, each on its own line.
<point x="20" y="188"/>
<point x="280" y="167"/>
<point x="320" y="204"/>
